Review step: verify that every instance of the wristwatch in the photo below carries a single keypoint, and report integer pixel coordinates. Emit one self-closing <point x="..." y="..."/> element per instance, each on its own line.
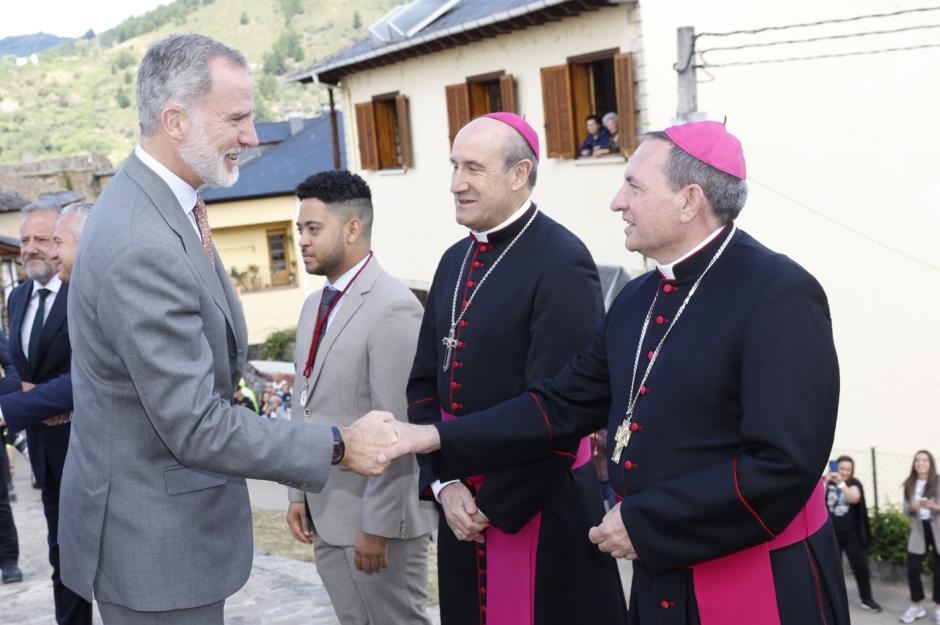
<point x="339" y="447"/>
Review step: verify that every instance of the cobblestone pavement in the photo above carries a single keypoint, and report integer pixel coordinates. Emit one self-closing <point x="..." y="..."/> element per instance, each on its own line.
<point x="279" y="592"/>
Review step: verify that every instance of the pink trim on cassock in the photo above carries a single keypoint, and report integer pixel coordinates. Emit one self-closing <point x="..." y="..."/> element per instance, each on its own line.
<point x="510" y="559"/>
<point x="738" y="589"/>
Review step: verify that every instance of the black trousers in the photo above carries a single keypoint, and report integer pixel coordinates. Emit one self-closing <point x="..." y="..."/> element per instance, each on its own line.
<point x="851" y="545"/>
<point x="9" y="541"/>
<point x="70" y="608"/>
<point x="915" y="565"/>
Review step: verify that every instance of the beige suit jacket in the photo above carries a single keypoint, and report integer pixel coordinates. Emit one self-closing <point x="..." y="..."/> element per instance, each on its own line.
<point x="362" y="364"/>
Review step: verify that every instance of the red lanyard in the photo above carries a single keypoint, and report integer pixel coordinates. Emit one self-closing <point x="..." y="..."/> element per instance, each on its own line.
<point x="321" y="323"/>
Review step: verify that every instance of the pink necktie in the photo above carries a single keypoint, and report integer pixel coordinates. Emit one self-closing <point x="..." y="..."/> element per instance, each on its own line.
<point x="202" y="221"/>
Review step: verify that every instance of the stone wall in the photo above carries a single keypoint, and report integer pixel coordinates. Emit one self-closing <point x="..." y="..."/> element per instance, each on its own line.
<point x="77" y="173"/>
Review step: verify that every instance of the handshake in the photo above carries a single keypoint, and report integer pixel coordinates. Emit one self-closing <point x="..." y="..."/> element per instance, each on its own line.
<point x="376" y="440"/>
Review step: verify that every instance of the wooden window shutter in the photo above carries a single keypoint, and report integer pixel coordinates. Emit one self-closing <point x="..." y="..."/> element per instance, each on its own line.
<point x="404" y="130"/>
<point x="507" y="93"/>
<point x="556" y="100"/>
<point x="626" y="102"/>
<point x="458" y="108"/>
<point x="368" y="142"/>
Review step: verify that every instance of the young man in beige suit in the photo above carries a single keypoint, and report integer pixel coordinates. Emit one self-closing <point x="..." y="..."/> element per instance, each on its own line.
<point x="355" y="342"/>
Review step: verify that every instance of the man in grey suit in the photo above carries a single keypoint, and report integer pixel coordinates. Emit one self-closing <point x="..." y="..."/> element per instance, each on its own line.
<point x="155" y="519"/>
<point x="355" y="342"/>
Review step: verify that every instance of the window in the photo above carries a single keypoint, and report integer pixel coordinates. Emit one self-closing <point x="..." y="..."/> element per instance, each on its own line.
<point x="595" y="83"/>
<point x="384" y="132"/>
<point x="479" y="95"/>
<point x="278" y="243"/>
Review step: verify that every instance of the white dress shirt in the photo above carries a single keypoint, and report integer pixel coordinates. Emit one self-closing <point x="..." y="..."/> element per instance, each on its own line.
<point x="341" y="283"/>
<point x="54" y="285"/>
<point x="185" y="194"/>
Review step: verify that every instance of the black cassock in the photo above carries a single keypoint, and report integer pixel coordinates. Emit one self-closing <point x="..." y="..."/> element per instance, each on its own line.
<point x="734" y="427"/>
<point x="539" y="307"/>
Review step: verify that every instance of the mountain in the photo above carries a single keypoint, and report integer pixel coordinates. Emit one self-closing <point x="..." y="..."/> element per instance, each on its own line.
<point x="24" y="45"/>
<point x="80" y="97"/>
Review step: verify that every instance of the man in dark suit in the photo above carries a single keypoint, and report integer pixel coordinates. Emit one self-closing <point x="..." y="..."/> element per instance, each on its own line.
<point x="41" y="353"/>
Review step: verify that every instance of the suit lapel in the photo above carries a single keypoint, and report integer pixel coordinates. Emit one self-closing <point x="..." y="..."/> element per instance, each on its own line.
<point x="351" y="303"/>
<point x="167" y="205"/>
<point x="16" y="322"/>
<point x="53" y="323"/>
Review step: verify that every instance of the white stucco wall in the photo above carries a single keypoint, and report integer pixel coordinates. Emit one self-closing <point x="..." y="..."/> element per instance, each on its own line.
<point x="839" y="162"/>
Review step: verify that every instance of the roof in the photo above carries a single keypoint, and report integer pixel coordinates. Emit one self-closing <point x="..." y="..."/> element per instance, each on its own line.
<point x="280" y="169"/>
<point x="467" y="21"/>
<point x="274" y="132"/>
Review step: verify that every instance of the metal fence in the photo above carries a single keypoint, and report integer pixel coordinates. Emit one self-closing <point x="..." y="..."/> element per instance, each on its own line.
<point x="881" y="474"/>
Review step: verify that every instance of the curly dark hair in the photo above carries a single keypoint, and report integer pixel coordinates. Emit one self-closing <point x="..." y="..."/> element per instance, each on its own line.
<point x="344" y="193"/>
<point x="333" y="187"/>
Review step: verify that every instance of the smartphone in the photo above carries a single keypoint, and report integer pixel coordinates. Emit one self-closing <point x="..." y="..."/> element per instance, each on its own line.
<point x="833" y="466"/>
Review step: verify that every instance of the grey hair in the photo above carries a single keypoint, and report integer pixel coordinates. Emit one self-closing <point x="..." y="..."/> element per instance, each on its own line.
<point x="176" y="70"/>
<point x="38" y="207"/>
<point x="610" y="117"/>
<point x="81" y="210"/>
<point x="520" y="150"/>
<point x="725" y="193"/>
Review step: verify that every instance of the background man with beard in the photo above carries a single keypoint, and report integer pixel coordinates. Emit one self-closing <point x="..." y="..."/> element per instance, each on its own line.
<point x="355" y="343"/>
<point x="44" y="410"/>
<point x="155" y="514"/>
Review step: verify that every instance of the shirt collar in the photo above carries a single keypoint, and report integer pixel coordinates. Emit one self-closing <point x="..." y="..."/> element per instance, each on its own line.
<point x="54" y="285"/>
<point x="183" y="193"/>
<point x="668" y="270"/>
<point x="343" y="281"/>
<point x="482" y="237"/>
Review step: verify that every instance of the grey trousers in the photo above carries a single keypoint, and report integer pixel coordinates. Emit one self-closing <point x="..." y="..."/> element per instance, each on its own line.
<point x="397" y="594"/>
<point x="113" y="614"/>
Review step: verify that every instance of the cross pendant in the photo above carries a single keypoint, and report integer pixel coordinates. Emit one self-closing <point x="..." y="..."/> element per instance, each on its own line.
<point x="622" y="437"/>
<point x="449" y="343"/>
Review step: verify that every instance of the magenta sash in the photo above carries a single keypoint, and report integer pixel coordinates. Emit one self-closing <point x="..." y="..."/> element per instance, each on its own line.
<point x="510" y="560"/>
<point x="738" y="589"/>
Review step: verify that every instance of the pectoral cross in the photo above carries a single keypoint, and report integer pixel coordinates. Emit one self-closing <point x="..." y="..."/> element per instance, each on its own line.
<point x="622" y="437"/>
<point x="450" y="343"/>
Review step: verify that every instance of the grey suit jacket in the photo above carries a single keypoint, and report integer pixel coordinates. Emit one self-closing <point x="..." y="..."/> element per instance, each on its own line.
<point x="362" y="364"/>
<point x="154" y="511"/>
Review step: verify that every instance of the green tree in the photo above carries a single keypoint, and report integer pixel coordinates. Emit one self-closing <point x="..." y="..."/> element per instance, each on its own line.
<point x="357" y="21"/>
<point x="290" y="8"/>
<point x="122" y="98"/>
<point x="275" y="61"/>
<point x="267" y="85"/>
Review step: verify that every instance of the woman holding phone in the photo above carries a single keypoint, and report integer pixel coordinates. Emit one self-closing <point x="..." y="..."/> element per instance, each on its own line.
<point x="920" y="503"/>
<point x="845" y="499"/>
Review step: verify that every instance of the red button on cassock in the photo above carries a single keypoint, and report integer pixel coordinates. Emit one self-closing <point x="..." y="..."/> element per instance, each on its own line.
<point x="462" y="324"/>
<point x="660" y="320"/>
<point x="649" y="355"/>
<point x="668" y="288"/>
<point x="457" y="364"/>
<point x="629" y="465"/>
<point x="455" y="384"/>
<point x="456" y="406"/>
<point x="484" y="247"/>
<point x="635" y="427"/>
<point x="471" y="283"/>
<point x="644" y="390"/>
<point x="460" y="344"/>
<point x="477" y="264"/>
<point x="665" y="604"/>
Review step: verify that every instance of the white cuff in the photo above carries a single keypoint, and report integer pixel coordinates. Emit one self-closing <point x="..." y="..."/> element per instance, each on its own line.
<point x="437" y="486"/>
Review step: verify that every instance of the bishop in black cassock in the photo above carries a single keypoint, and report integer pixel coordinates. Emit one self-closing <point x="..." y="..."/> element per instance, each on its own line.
<point x="523" y="297"/>
<point x="720" y="373"/>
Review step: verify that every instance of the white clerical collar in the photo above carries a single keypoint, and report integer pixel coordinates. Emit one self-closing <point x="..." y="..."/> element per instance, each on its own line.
<point x="668" y="269"/>
<point x="343" y="281"/>
<point x="183" y="193"/>
<point x="482" y="236"/>
<point x="54" y="284"/>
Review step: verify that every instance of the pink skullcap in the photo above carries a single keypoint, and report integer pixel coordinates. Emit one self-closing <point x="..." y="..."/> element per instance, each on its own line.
<point x="521" y="126"/>
<point x="711" y="143"/>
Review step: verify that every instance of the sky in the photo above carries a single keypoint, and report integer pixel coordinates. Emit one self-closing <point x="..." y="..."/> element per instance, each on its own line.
<point x="68" y="18"/>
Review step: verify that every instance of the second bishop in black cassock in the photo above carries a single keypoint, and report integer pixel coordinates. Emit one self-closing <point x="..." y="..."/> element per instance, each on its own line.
<point x="537" y="308"/>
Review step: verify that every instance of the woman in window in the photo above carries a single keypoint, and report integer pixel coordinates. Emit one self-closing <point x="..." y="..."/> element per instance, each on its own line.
<point x="920" y="503"/>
